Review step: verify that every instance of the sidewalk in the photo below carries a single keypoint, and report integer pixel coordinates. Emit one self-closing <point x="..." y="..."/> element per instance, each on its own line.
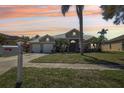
<point x="69" y="66"/>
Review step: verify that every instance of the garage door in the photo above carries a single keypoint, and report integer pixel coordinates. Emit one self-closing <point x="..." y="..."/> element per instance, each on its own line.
<point x="47" y="48"/>
<point x="36" y="48"/>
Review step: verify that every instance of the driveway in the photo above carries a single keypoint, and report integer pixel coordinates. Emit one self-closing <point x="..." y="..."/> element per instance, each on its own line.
<point x="7" y="63"/>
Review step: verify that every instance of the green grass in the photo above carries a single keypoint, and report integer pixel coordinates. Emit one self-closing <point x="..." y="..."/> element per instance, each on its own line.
<point x="7" y="56"/>
<point x="92" y="58"/>
<point x="58" y="78"/>
<point x="60" y="58"/>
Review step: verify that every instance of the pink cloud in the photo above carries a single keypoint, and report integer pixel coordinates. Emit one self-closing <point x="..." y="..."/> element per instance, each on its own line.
<point x="35" y="10"/>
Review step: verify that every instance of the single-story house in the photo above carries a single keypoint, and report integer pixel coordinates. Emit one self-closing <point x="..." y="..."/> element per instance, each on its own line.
<point x="115" y="44"/>
<point x="46" y="44"/>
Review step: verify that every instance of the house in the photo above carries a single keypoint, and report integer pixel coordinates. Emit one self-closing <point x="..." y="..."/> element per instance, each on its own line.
<point x="8" y="40"/>
<point x="46" y="44"/>
<point x="43" y="44"/>
<point x="115" y="44"/>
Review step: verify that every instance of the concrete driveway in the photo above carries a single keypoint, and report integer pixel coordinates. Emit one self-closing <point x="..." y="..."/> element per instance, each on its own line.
<point x="7" y="63"/>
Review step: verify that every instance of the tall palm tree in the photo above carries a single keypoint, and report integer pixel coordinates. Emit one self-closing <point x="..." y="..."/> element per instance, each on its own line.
<point x="103" y="32"/>
<point x="102" y="38"/>
<point x="79" y="9"/>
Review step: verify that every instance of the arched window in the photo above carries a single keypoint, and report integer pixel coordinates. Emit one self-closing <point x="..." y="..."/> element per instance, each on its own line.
<point x="73" y="41"/>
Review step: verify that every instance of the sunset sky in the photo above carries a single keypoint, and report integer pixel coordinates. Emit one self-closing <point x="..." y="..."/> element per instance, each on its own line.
<point x="35" y="19"/>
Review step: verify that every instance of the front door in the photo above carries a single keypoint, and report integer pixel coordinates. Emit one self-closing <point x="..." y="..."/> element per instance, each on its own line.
<point x="74" y="46"/>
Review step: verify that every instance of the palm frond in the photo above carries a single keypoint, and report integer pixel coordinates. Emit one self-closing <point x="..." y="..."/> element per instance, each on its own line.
<point x="99" y="32"/>
<point x="64" y="9"/>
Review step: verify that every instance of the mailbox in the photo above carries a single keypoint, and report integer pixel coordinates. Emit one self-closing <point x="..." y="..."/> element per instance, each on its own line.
<point x="8" y="50"/>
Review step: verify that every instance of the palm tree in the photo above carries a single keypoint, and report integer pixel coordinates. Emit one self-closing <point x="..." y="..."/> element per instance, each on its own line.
<point x="102" y="38"/>
<point x="103" y="32"/>
<point x="79" y="9"/>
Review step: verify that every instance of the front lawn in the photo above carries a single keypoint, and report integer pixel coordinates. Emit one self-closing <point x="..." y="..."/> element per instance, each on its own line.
<point x="93" y="58"/>
<point x="60" y="58"/>
<point x="57" y="78"/>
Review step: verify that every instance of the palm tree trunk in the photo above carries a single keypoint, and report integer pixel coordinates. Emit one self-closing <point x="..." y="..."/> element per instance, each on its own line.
<point x="81" y="33"/>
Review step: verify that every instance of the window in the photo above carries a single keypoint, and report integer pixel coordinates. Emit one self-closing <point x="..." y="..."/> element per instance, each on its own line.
<point x="73" y="41"/>
<point x="47" y="39"/>
<point x="74" y="33"/>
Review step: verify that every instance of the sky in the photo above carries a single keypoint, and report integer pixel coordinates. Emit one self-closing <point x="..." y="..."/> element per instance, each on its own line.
<point x="30" y="20"/>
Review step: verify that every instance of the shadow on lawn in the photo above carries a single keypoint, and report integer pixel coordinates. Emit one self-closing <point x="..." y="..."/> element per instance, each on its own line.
<point x="122" y="59"/>
<point x="106" y="63"/>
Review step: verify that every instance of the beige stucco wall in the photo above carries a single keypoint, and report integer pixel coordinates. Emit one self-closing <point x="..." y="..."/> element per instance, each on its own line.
<point x="116" y="46"/>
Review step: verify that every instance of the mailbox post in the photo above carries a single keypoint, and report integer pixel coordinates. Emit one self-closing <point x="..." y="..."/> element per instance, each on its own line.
<point x="19" y="66"/>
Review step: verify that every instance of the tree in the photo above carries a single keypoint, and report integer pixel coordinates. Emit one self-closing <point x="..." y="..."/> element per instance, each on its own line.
<point x="2" y="39"/>
<point x="25" y="38"/>
<point x="115" y="12"/>
<point x="103" y="32"/>
<point x="79" y="10"/>
<point x="102" y="37"/>
<point x="94" y="41"/>
<point x="37" y="36"/>
<point x="61" y="45"/>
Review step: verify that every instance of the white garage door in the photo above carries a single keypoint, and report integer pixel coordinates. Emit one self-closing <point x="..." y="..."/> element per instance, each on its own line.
<point x="47" y="48"/>
<point x="36" y="48"/>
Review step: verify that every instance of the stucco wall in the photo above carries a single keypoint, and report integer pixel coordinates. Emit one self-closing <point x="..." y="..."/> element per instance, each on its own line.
<point x="105" y="47"/>
<point x="115" y="46"/>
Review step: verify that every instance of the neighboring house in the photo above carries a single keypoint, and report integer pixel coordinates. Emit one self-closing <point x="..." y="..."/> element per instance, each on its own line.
<point x="46" y="43"/>
<point x="9" y="40"/>
<point x="115" y="44"/>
